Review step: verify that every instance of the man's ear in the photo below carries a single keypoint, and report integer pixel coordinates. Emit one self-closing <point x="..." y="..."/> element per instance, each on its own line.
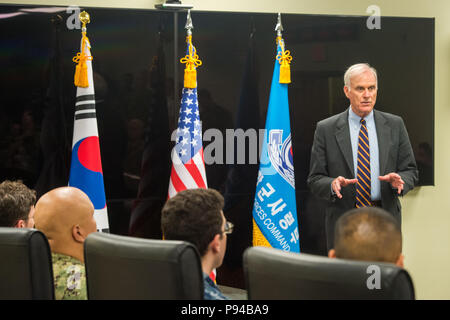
<point x="215" y="243"/>
<point x="78" y="234"/>
<point x="332" y="254"/>
<point x="346" y="90"/>
<point x="20" y="224"/>
<point x="400" y="260"/>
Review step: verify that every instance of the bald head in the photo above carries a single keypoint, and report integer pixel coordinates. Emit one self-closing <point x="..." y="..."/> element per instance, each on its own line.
<point x="65" y="215"/>
<point x="368" y="234"/>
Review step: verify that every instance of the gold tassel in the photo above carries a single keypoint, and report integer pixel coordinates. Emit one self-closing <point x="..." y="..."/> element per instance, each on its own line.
<point x="81" y="75"/>
<point x="284" y="58"/>
<point x="285" y="73"/>
<point x="192" y="62"/>
<point x="190" y="78"/>
<point x="81" y="71"/>
<point x="76" y="78"/>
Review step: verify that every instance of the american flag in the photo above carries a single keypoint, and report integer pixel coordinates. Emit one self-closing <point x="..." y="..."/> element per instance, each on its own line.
<point x="188" y="165"/>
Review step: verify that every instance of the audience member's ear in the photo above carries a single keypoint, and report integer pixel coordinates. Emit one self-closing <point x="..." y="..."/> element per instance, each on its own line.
<point x="20" y="224"/>
<point x="332" y="254"/>
<point x="215" y="243"/>
<point x="78" y="234"/>
<point x="400" y="260"/>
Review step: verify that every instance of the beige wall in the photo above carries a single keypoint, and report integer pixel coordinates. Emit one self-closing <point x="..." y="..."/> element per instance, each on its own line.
<point x="426" y="210"/>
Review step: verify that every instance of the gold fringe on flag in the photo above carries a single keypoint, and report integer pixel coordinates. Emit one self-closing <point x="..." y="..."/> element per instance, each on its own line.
<point x="284" y="59"/>
<point x="192" y="62"/>
<point x="258" y="237"/>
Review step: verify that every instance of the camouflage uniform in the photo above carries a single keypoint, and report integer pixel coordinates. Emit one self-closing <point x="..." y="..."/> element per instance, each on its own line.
<point x="69" y="277"/>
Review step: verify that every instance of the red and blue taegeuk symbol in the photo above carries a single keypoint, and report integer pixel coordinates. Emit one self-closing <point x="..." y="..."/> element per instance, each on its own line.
<point x="86" y="170"/>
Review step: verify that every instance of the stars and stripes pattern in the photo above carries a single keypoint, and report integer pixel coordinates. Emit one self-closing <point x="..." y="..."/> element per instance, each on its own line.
<point x="363" y="169"/>
<point x="188" y="166"/>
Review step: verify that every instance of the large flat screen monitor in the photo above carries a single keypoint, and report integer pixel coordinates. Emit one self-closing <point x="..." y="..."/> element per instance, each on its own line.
<point x="137" y="109"/>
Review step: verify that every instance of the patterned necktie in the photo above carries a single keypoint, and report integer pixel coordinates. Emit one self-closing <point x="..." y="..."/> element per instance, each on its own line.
<point x="363" y="169"/>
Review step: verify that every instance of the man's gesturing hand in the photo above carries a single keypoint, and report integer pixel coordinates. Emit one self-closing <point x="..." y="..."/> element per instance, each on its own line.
<point x="339" y="183"/>
<point x="395" y="180"/>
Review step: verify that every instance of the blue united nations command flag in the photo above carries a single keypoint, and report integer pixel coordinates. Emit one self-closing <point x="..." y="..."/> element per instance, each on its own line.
<point x="274" y="210"/>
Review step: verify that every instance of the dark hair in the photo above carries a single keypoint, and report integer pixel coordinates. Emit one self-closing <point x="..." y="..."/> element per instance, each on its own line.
<point x="16" y="201"/>
<point x="193" y="215"/>
<point x="368" y="234"/>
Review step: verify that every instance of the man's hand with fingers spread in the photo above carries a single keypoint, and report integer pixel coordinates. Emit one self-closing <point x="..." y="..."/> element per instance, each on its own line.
<point x="339" y="183"/>
<point x="395" y="180"/>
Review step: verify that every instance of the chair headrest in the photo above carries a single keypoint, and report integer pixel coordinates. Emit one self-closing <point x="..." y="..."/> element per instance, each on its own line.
<point x="305" y="276"/>
<point x="141" y="268"/>
<point x="27" y="271"/>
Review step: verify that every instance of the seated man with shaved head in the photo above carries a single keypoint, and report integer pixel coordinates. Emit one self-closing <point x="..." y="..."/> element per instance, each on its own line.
<point x="66" y="216"/>
<point x="368" y="234"/>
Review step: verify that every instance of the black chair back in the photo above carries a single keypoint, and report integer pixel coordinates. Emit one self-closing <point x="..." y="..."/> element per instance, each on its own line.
<point x="120" y="267"/>
<point x="26" y="270"/>
<point x="275" y="274"/>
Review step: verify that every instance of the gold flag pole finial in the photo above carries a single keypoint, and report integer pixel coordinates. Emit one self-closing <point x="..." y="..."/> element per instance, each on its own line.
<point x="81" y="71"/>
<point x="85" y="18"/>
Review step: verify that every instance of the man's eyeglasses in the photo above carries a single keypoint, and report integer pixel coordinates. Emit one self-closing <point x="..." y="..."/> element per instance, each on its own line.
<point x="228" y="227"/>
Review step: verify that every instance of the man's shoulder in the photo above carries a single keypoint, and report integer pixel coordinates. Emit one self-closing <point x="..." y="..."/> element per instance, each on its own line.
<point x="65" y="266"/>
<point x="387" y="116"/>
<point x="65" y="260"/>
<point x="211" y="291"/>
<point x="69" y="277"/>
<point x="333" y="120"/>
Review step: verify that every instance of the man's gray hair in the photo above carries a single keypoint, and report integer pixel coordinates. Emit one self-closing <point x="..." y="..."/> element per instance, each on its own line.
<point x="357" y="69"/>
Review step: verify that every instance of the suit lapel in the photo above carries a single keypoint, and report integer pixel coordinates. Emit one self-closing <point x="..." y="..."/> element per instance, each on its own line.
<point x="383" y="136"/>
<point x="342" y="134"/>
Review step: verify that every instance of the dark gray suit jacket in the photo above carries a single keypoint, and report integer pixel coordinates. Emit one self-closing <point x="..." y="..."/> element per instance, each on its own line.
<point x="331" y="156"/>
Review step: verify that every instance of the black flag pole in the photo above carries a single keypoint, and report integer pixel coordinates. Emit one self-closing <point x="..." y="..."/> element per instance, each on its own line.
<point x="175" y="7"/>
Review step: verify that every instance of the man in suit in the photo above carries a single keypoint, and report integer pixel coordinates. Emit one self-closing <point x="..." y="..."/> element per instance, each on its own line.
<point x="361" y="157"/>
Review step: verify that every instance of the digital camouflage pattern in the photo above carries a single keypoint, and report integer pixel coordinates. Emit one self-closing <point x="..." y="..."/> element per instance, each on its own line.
<point x="69" y="277"/>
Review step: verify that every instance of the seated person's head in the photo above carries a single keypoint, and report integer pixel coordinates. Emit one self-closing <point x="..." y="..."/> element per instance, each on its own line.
<point x="66" y="216"/>
<point x="196" y="216"/>
<point x="368" y="234"/>
<point x="16" y="205"/>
